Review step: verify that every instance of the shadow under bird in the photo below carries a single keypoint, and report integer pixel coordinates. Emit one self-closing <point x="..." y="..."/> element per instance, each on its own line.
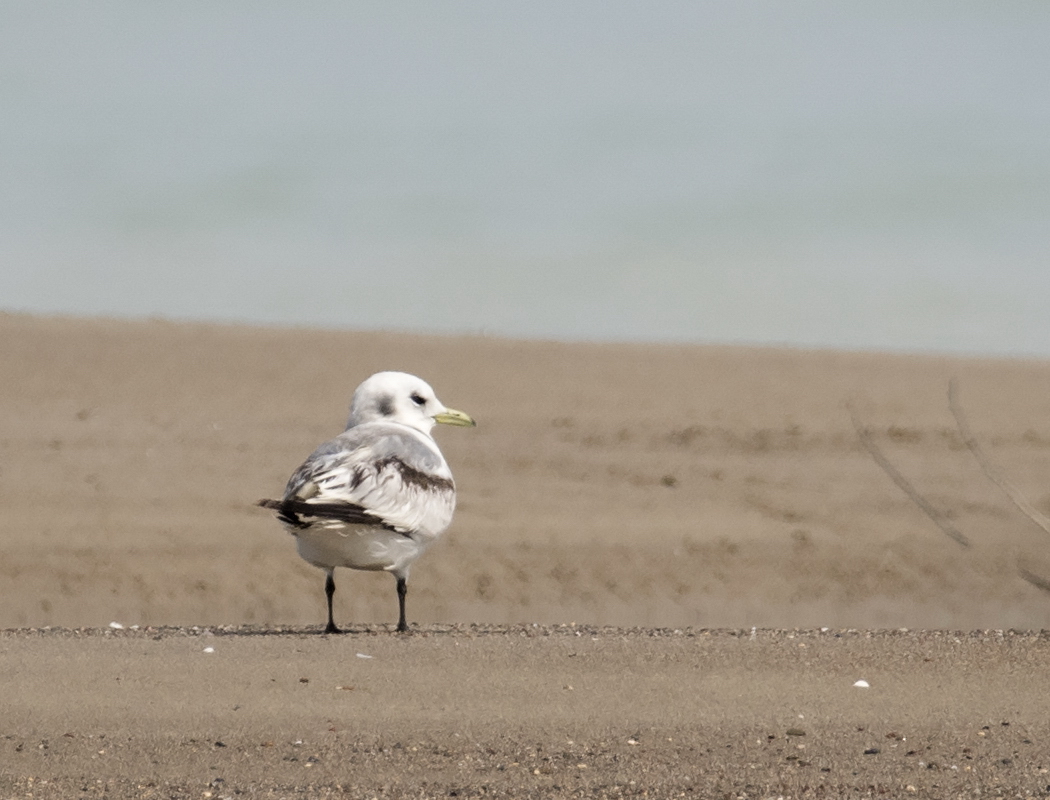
<point x="379" y="494"/>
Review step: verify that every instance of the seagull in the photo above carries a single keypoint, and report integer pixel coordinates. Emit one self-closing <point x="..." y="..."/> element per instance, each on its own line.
<point x="379" y="494"/>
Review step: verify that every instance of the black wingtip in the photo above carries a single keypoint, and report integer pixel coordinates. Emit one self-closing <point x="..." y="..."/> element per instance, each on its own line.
<point x="285" y="511"/>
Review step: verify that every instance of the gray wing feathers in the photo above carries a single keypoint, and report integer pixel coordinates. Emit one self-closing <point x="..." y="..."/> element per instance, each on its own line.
<point x="394" y="475"/>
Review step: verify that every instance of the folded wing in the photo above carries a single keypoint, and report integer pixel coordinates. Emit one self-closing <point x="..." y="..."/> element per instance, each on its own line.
<point x="374" y="474"/>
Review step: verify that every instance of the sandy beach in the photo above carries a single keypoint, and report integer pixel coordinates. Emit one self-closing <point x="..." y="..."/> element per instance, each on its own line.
<point x="627" y="515"/>
<point x="524" y="711"/>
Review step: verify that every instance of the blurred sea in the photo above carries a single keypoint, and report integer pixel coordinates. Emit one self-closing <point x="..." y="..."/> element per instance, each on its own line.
<point x="838" y="174"/>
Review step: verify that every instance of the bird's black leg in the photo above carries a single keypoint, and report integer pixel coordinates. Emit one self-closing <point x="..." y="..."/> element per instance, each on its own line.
<point x="402" y="590"/>
<point x="329" y="590"/>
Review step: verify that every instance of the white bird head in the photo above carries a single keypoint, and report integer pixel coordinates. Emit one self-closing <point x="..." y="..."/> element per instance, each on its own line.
<point x="400" y="397"/>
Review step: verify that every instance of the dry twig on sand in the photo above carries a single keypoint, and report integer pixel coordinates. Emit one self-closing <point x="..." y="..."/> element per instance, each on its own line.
<point x="903" y="483"/>
<point x="987" y="467"/>
<point x="1038" y="581"/>
<point x="996" y="476"/>
<point x="993" y="473"/>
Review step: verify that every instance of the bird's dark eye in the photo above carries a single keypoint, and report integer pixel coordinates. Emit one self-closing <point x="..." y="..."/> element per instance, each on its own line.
<point x="418" y="399"/>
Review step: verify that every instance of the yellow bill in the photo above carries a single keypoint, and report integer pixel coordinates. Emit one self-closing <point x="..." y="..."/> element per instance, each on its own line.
<point x="452" y="417"/>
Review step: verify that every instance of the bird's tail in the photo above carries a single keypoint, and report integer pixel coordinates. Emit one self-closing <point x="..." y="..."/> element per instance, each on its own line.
<point x="284" y="513"/>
